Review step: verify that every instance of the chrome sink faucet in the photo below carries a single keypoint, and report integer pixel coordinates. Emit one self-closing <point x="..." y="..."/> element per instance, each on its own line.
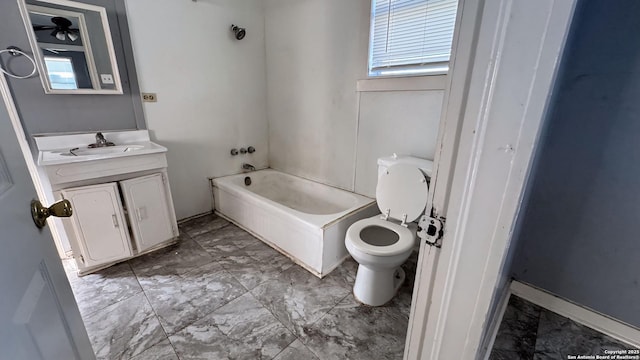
<point x="101" y="141"/>
<point x="249" y="167"/>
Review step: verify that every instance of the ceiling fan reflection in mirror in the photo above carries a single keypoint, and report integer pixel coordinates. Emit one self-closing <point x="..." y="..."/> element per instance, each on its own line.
<point x="61" y="29"/>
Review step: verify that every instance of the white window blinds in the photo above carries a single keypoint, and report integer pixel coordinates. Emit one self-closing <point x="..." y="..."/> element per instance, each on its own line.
<point x="411" y="36"/>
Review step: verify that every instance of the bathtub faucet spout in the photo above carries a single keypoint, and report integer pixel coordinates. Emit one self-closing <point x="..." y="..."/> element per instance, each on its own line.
<point x="249" y="167"/>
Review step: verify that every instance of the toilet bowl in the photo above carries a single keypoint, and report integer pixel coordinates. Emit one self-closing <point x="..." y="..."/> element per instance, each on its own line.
<point x="379" y="247"/>
<point x="381" y="244"/>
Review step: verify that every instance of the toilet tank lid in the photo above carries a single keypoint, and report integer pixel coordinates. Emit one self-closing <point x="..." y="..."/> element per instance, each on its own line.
<point x="423" y="164"/>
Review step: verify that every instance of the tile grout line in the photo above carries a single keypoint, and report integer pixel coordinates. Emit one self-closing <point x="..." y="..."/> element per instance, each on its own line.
<point x="222" y="265"/>
<point x="535" y="343"/>
<point x="90" y="314"/>
<point x="186" y="234"/>
<point x="311" y="351"/>
<point x="205" y="232"/>
<point x="294" y="332"/>
<point x="250" y="291"/>
<point x="156" y="315"/>
<point x="192" y="270"/>
<point x="113" y="303"/>
<point x="224" y="269"/>
<point x="261" y="282"/>
<point x="286" y="347"/>
<point x="295" y="336"/>
<point x="317" y="321"/>
<point x="203" y="316"/>
<point x="333" y="307"/>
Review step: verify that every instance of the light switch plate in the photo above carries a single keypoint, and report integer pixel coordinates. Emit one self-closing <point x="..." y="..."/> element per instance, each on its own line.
<point x="106" y="78"/>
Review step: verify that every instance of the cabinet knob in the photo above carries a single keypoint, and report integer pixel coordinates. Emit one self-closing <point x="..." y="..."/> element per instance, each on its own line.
<point x="39" y="213"/>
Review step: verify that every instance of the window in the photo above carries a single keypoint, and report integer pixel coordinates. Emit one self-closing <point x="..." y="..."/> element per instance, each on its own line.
<point x="411" y="37"/>
<point x="61" y="74"/>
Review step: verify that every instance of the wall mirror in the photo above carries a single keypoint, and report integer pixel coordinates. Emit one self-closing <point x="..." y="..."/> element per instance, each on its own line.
<point x="72" y="45"/>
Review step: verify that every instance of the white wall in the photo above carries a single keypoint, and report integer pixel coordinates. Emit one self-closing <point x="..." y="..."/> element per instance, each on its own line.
<point x="321" y="126"/>
<point x="313" y="60"/>
<point x="289" y="89"/>
<point x="403" y="122"/>
<point x="211" y="89"/>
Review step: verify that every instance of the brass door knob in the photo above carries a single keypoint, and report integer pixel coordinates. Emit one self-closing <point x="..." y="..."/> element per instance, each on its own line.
<point x="40" y="213"/>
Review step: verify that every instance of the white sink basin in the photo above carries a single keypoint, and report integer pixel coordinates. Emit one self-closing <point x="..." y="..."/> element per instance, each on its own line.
<point x="73" y="148"/>
<point x="104" y="150"/>
<point x="84" y="153"/>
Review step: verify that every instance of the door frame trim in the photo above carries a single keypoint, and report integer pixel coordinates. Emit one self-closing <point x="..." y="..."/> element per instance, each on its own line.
<point x="455" y="96"/>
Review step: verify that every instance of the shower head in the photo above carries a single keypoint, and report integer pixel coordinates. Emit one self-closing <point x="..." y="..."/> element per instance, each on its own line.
<point x="238" y="32"/>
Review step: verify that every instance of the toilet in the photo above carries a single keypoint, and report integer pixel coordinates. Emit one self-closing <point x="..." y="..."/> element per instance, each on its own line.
<point x="382" y="243"/>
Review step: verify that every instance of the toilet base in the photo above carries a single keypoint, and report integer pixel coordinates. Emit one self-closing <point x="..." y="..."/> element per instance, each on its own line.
<point x="377" y="287"/>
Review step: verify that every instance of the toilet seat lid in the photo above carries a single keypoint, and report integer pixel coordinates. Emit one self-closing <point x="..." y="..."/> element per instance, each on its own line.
<point x="402" y="190"/>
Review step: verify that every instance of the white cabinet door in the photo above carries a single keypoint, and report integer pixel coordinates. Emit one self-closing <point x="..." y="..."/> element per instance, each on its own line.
<point x="150" y="213"/>
<point x="99" y="224"/>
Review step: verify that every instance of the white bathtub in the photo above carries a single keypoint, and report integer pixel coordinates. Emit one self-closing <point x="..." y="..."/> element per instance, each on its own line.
<point x="302" y="219"/>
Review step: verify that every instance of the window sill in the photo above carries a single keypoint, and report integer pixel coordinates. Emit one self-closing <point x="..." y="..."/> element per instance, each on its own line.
<point x="409" y="83"/>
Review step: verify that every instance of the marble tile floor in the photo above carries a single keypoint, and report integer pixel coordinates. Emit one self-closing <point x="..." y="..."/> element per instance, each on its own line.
<point x="530" y="332"/>
<point x="220" y="293"/>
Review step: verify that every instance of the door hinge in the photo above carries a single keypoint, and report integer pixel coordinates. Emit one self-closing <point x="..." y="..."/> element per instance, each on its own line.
<point x="431" y="229"/>
<point x="164" y="179"/>
<point x="82" y="258"/>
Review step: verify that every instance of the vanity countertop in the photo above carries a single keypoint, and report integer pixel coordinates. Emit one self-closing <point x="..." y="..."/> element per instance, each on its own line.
<point x="73" y="148"/>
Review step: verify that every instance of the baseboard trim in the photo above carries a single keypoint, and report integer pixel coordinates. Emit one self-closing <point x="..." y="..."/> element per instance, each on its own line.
<point x="181" y="221"/>
<point x="597" y="321"/>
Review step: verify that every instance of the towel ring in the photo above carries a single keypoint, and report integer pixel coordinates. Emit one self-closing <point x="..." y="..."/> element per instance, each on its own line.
<point x="15" y="51"/>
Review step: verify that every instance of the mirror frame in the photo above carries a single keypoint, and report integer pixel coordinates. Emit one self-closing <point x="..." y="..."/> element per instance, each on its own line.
<point x="44" y="78"/>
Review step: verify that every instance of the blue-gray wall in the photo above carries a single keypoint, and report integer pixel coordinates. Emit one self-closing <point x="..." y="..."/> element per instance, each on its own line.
<point x="579" y="232"/>
<point x="41" y="113"/>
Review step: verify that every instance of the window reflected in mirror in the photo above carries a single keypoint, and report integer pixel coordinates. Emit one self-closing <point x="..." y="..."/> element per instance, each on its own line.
<point x="61" y="44"/>
<point x="72" y="43"/>
<point x="61" y="72"/>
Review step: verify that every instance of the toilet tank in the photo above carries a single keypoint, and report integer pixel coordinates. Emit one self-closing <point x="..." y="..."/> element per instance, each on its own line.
<point x="423" y="164"/>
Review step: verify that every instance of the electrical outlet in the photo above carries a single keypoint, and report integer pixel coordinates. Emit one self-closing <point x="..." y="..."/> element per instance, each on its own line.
<point x="106" y="78"/>
<point x="149" y="97"/>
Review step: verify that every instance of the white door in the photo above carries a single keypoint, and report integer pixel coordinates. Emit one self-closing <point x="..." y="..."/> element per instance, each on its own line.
<point x="504" y="60"/>
<point x="99" y="225"/>
<point x="39" y="318"/>
<point x="149" y="211"/>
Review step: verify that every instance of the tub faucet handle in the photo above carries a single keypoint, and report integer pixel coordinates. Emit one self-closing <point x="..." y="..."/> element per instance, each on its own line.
<point x="251" y="149"/>
<point x="234" y="152"/>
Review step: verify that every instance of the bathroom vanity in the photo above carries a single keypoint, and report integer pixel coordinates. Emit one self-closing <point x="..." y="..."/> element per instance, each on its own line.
<point x="119" y="194"/>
